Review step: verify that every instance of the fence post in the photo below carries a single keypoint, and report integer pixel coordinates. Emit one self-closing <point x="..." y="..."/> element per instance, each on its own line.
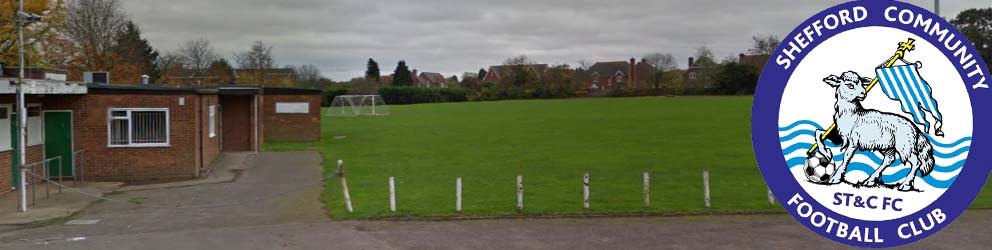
<point x="585" y="191"/>
<point x="647" y="189"/>
<point x="520" y="192"/>
<point x="771" y="197"/>
<point x="344" y="187"/>
<point x="706" y="187"/>
<point x="458" y="195"/>
<point x="392" y="194"/>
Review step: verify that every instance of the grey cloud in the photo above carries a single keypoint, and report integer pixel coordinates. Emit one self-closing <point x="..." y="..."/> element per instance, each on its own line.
<point x="454" y="36"/>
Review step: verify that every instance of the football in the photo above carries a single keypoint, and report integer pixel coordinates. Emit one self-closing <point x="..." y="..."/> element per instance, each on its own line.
<point x="819" y="169"/>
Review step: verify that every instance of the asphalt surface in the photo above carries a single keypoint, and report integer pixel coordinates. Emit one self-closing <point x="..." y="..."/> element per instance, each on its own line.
<point x="275" y="205"/>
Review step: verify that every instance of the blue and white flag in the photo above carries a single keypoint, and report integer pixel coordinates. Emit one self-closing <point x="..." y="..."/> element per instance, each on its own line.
<point x="904" y="84"/>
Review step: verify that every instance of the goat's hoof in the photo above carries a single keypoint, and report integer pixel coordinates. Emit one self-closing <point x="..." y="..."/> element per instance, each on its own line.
<point x="940" y="133"/>
<point x="868" y="183"/>
<point x="834" y="181"/>
<point x="905" y="188"/>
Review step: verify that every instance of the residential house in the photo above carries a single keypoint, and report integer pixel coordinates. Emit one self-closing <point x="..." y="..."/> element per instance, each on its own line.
<point x="756" y="61"/>
<point x="495" y="73"/>
<point x="138" y="131"/>
<point x="613" y="75"/>
<point x="431" y="80"/>
<point x="697" y="74"/>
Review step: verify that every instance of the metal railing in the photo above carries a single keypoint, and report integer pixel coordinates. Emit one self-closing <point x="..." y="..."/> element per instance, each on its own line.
<point x="36" y="178"/>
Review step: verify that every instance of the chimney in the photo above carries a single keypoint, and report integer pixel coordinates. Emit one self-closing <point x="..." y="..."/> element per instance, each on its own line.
<point x="632" y="72"/>
<point x="692" y="61"/>
<point x="740" y="58"/>
<point x="144" y="79"/>
<point x="415" y="80"/>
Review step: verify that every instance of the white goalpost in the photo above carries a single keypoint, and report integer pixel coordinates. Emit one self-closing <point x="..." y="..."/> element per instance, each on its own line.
<point x="356" y="105"/>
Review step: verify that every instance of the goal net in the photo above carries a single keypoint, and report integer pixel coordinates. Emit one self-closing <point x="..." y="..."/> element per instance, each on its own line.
<point x="356" y="105"/>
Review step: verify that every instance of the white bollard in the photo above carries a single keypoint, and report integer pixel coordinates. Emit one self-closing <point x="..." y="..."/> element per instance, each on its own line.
<point x="520" y="192"/>
<point x="647" y="190"/>
<point x="458" y="194"/>
<point x="585" y="191"/>
<point x="392" y="194"/>
<point x="771" y="197"/>
<point x="344" y="187"/>
<point x="706" y="188"/>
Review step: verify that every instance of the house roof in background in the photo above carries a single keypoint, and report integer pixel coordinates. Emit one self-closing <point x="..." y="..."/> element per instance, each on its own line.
<point x="609" y="68"/>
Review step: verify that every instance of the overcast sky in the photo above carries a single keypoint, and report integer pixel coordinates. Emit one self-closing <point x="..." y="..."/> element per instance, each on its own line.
<point x="455" y="36"/>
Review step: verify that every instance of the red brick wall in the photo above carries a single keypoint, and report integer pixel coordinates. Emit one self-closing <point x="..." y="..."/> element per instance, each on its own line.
<point x="291" y="127"/>
<point x="178" y="160"/>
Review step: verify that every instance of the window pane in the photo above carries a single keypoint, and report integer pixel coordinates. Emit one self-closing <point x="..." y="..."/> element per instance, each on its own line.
<point x="119" y="113"/>
<point x="118" y="132"/>
<point x="148" y="127"/>
<point x="213" y="121"/>
<point x="4" y="113"/>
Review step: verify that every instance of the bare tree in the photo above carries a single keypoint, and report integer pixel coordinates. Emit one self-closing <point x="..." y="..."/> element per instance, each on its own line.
<point x="661" y="62"/>
<point x="198" y="54"/>
<point x="584" y="64"/>
<point x="518" y="60"/>
<point x="307" y="73"/>
<point x="704" y="52"/>
<point x="93" y="25"/>
<point x="170" y="65"/>
<point x="256" y="61"/>
<point x="764" y="45"/>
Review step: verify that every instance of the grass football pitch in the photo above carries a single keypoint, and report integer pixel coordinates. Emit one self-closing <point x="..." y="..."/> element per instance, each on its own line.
<point x="551" y="143"/>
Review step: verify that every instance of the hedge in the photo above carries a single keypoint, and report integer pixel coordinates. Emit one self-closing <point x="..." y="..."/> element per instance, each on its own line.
<point x="414" y="95"/>
<point x="329" y="95"/>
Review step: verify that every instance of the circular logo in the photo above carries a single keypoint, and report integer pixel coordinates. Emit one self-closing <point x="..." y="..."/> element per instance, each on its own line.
<point x="864" y="123"/>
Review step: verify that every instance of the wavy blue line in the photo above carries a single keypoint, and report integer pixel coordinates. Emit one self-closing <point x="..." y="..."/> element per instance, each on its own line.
<point x="798" y="133"/>
<point x="899" y="175"/>
<point x="956" y="153"/>
<point x="894" y="177"/>
<point x="801" y="160"/>
<point x="798" y="123"/>
<point x="948" y="145"/>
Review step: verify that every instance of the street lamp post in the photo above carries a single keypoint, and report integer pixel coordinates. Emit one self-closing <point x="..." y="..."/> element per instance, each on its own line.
<point x="21" y="113"/>
<point x="22" y="19"/>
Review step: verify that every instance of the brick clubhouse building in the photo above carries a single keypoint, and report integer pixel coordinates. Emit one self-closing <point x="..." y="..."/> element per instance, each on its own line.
<point x="141" y="132"/>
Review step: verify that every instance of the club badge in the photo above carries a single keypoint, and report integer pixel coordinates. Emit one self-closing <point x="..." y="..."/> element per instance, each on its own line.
<point x="866" y="123"/>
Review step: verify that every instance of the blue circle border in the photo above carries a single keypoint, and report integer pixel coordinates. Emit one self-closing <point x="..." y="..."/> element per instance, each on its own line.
<point x="768" y="151"/>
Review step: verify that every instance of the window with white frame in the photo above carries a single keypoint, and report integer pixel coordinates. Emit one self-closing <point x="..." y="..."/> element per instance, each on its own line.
<point x="34" y="124"/>
<point x="5" y="114"/>
<point x="138" y="127"/>
<point x="213" y="121"/>
<point x="692" y="76"/>
<point x="619" y="78"/>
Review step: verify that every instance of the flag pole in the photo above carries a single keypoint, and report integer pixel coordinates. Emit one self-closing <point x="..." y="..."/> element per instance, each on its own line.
<point x="899" y="55"/>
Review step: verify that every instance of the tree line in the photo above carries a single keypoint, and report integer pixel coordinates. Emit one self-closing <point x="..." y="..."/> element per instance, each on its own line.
<point x="710" y="75"/>
<point x="98" y="35"/>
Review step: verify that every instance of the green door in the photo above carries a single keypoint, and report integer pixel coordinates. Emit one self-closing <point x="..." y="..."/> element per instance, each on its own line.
<point x="58" y="141"/>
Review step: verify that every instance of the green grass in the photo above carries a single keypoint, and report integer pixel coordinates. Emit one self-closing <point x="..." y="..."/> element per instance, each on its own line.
<point x="551" y="143"/>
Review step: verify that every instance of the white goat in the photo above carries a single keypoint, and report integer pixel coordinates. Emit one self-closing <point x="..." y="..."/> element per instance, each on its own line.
<point x="892" y="135"/>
